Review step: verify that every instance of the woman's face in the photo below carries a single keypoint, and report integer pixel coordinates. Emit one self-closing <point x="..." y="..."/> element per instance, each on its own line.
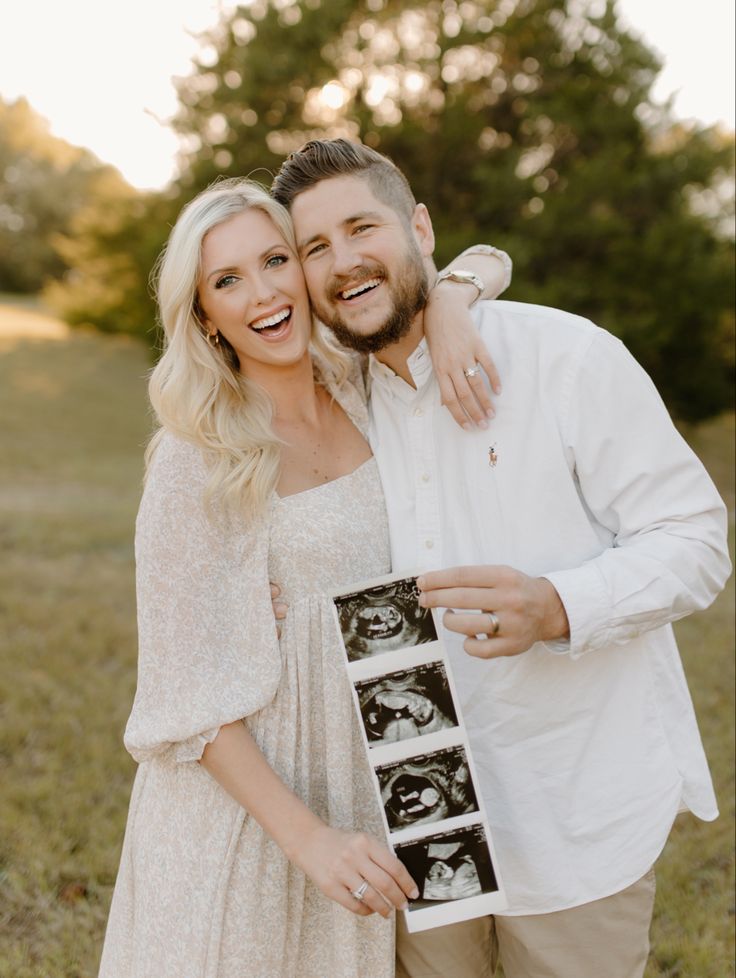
<point x="252" y="291"/>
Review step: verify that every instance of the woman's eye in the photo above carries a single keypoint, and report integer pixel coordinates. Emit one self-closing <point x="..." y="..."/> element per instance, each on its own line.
<point x="276" y="260"/>
<point x="363" y="227"/>
<point x="224" y="281"/>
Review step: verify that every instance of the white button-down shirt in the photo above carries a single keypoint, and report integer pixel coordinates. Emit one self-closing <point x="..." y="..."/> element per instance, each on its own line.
<point x="585" y="750"/>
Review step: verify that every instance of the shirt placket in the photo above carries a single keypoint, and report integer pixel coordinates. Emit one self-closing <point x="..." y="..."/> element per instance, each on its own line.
<point x="428" y="540"/>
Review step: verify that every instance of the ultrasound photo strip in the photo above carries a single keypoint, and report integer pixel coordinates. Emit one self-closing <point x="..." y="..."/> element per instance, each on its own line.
<point x="403" y="692"/>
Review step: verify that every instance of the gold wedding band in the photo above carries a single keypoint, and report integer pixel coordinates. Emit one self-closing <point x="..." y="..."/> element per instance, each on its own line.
<point x="361" y="891"/>
<point x="495" y="624"/>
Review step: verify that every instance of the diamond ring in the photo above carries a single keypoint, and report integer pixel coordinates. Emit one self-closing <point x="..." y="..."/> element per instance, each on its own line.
<point x="361" y="891"/>
<point x="472" y="371"/>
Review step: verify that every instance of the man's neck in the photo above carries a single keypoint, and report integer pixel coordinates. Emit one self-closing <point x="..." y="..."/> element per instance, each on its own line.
<point x="396" y="356"/>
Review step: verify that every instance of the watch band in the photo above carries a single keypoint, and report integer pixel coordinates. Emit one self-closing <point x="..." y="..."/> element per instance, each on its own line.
<point x="463" y="276"/>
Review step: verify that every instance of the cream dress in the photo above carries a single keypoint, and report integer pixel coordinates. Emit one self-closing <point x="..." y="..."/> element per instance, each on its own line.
<point x="201" y="891"/>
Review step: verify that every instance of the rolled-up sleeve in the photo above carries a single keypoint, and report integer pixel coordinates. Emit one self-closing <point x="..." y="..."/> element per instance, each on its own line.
<point x="640" y="480"/>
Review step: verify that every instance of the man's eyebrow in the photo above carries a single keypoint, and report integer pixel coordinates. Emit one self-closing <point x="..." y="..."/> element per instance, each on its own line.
<point x="353" y="219"/>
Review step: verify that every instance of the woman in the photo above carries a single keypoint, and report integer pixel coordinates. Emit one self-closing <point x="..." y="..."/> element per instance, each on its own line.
<point x="245" y="864"/>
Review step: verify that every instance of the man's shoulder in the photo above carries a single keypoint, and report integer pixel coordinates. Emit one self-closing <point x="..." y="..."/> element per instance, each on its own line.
<point x="526" y="321"/>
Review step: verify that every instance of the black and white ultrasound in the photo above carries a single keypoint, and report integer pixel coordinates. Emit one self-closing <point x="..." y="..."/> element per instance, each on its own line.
<point x="427" y="788"/>
<point x="384" y="618"/>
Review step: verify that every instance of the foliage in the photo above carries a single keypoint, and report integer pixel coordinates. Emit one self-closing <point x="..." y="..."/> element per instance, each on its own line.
<point x="527" y="123"/>
<point x="44" y="183"/>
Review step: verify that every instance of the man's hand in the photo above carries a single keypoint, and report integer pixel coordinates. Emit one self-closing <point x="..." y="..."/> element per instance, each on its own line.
<point x="515" y="610"/>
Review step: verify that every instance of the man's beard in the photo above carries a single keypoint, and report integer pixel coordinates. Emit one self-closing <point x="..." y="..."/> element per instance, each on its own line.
<point x="408" y="292"/>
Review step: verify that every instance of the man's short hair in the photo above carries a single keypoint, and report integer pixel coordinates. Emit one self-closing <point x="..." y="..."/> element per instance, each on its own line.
<point x="321" y="159"/>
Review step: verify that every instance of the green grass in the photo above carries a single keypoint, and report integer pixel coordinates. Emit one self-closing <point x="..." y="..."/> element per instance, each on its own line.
<point x="73" y="425"/>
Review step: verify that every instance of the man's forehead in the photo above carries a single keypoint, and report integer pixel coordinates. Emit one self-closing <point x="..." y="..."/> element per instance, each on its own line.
<point x="333" y="199"/>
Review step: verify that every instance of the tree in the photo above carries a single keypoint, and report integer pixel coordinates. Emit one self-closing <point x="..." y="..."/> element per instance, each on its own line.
<point x="528" y="123"/>
<point x="45" y="182"/>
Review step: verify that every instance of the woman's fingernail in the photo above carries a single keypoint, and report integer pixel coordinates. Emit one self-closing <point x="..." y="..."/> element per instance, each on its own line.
<point x="483" y="424"/>
<point x="466" y="426"/>
<point x="414" y="893"/>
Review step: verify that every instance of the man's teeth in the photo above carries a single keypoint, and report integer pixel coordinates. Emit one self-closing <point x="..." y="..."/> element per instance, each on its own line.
<point x="363" y="287"/>
<point x="278" y="317"/>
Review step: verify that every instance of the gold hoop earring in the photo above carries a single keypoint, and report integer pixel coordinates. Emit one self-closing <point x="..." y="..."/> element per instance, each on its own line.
<point x="214" y="338"/>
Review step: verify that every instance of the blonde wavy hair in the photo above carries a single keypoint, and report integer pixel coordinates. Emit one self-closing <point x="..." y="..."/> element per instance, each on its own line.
<point x="196" y="389"/>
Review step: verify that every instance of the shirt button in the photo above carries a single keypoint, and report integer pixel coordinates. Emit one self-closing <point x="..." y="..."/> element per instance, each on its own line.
<point x="426" y="477"/>
<point x="418" y="412"/>
<point x="429" y="544"/>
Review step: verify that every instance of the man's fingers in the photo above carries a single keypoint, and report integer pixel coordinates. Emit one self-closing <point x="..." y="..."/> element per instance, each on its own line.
<point x="482" y="599"/>
<point x="490" y="648"/>
<point x="275" y="590"/>
<point x="482" y="576"/>
<point x="478" y="623"/>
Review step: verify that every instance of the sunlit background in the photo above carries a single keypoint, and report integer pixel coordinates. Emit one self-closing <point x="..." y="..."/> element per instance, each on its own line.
<point x="540" y="126"/>
<point x="101" y="72"/>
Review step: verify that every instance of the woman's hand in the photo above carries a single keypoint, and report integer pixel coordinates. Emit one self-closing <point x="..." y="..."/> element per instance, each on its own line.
<point x="339" y="862"/>
<point x="456" y="346"/>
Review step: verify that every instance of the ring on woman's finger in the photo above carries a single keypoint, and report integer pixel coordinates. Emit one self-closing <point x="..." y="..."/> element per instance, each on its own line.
<point x="472" y="371"/>
<point x="495" y="624"/>
<point x="361" y="891"/>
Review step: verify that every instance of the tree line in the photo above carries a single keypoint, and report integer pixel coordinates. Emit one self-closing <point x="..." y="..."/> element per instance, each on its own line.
<point x="529" y="124"/>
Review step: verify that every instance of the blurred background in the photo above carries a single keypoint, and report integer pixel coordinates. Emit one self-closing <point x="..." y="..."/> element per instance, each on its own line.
<point x="592" y="140"/>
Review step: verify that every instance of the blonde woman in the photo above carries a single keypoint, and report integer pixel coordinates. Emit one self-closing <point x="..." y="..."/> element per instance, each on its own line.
<point x="252" y="819"/>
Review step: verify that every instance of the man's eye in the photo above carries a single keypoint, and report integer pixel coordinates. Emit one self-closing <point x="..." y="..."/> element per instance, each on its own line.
<point x="363" y="227"/>
<point x="314" y="250"/>
<point x="275" y="260"/>
<point x="224" y="281"/>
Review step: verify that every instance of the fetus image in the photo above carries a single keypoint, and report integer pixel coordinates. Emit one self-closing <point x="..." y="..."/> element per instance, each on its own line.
<point x="449" y="866"/>
<point x="384" y="618"/>
<point x="427" y="788"/>
<point x="406" y="704"/>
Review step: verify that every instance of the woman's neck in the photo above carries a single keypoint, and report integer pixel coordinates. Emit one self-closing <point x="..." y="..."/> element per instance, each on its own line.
<point x="292" y="389"/>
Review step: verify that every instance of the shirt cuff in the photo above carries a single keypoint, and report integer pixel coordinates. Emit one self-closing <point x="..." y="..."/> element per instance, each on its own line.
<point x="584" y="596"/>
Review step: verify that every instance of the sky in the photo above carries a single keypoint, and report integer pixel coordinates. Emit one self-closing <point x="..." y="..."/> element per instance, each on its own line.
<point x="72" y="60"/>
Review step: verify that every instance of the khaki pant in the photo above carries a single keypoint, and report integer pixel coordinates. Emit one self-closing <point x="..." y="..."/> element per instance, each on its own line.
<point x="607" y="938"/>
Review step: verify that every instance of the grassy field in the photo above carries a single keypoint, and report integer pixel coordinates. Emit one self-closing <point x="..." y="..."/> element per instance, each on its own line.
<point x="73" y="425"/>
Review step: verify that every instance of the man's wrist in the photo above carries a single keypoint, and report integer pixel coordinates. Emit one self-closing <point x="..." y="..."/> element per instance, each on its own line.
<point x="555" y="624"/>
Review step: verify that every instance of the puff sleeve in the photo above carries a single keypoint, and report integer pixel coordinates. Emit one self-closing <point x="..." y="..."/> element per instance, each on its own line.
<point x="207" y="647"/>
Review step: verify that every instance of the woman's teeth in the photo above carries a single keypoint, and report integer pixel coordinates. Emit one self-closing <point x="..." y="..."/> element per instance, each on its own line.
<point x="359" y="289"/>
<point x="269" y="321"/>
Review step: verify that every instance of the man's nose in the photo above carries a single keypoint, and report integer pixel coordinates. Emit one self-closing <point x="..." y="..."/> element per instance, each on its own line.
<point x="345" y="259"/>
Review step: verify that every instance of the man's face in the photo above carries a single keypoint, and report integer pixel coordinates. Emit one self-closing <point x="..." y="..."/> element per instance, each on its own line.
<point x="364" y="267"/>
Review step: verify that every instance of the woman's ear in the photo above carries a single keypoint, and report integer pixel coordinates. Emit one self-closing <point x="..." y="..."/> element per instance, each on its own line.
<point x="421" y="224"/>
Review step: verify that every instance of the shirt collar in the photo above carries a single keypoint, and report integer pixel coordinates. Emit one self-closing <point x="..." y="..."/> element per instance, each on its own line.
<point x="420" y="368"/>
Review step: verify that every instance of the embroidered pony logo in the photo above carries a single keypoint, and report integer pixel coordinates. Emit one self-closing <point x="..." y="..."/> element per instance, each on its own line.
<point x="492" y="456"/>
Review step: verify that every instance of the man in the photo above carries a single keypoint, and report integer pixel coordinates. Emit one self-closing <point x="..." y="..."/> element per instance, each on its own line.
<point x="585" y="526"/>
